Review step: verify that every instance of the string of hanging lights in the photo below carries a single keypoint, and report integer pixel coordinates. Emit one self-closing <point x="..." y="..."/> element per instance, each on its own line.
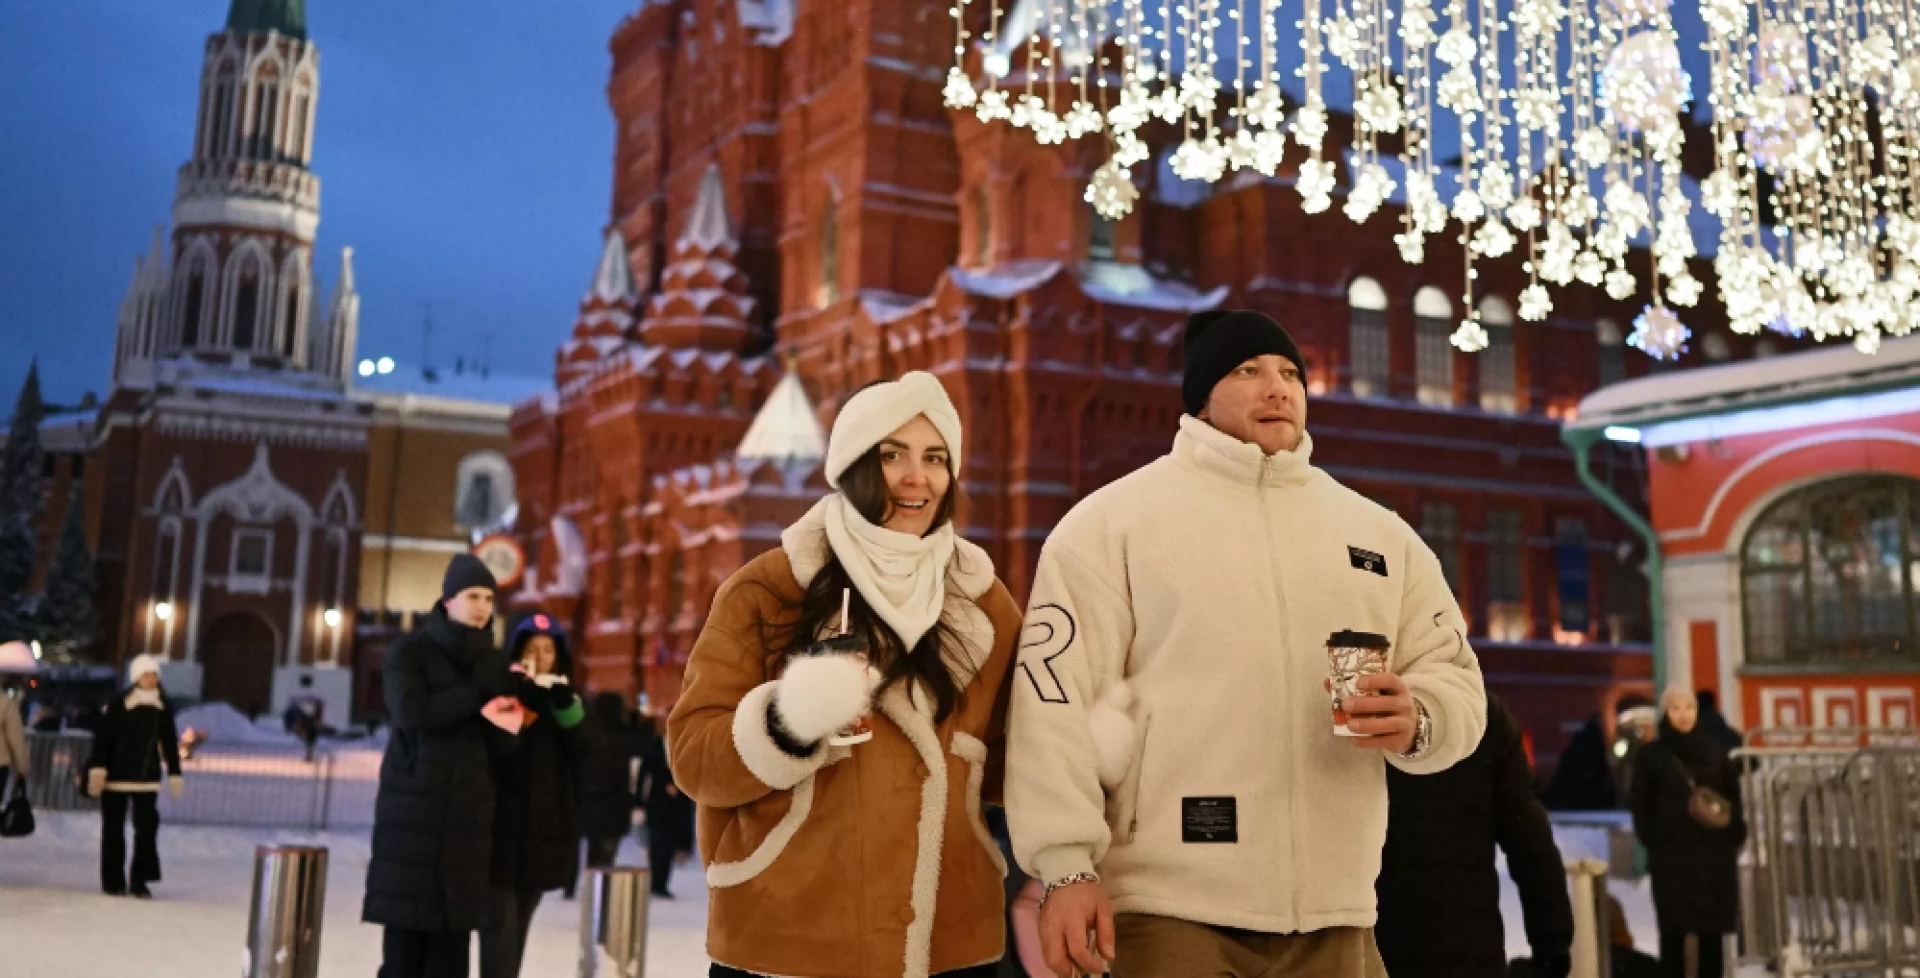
<point x="1567" y="118"/>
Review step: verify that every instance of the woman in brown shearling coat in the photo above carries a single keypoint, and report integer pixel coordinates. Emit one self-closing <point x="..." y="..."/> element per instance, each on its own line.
<point x="870" y="860"/>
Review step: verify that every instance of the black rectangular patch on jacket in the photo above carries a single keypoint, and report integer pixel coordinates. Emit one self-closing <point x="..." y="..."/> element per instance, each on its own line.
<point x="1209" y="820"/>
<point x="1367" y="560"/>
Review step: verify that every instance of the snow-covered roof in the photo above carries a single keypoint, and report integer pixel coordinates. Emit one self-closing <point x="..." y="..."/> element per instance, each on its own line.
<point x="885" y="307"/>
<point x="1834" y="371"/>
<point x="1109" y="282"/>
<point x="491" y="388"/>
<point x="786" y="429"/>
<point x="67" y="433"/>
<point x="770" y="21"/>
<point x="1131" y="285"/>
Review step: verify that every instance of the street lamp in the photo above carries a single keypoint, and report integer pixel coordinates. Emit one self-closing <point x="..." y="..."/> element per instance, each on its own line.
<point x="163" y="611"/>
<point x="332" y="617"/>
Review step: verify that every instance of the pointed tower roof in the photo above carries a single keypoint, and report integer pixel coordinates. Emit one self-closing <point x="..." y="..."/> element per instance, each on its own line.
<point x="786" y="429"/>
<point x="334" y="344"/>
<point x="703" y="302"/>
<point x="613" y="277"/>
<point x="287" y="17"/>
<point x="707" y="229"/>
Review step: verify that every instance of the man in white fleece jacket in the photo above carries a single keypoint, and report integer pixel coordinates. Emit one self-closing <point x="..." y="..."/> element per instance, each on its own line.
<point x="1173" y="773"/>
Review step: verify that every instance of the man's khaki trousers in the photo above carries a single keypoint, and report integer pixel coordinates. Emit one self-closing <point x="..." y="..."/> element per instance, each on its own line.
<point x="1164" y="947"/>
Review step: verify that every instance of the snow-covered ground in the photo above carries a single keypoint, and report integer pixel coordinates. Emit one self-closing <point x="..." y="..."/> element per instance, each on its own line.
<point x="54" y="922"/>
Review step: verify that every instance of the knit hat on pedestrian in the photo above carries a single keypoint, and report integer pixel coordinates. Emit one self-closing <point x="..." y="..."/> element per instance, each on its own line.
<point x="540" y="623"/>
<point x="142" y="665"/>
<point x="465" y="571"/>
<point x="880" y="410"/>
<point x="1220" y="340"/>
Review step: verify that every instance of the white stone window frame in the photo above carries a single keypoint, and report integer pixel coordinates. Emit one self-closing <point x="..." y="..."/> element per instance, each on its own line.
<point x="240" y="582"/>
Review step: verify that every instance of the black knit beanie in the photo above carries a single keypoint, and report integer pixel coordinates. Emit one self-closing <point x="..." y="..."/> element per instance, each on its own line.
<point x="465" y="571"/>
<point x="1222" y="339"/>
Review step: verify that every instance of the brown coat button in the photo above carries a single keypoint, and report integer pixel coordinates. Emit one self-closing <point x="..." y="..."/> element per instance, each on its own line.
<point x="906" y="915"/>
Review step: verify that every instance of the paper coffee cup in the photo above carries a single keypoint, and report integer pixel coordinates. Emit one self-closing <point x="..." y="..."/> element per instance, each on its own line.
<point x="1351" y="655"/>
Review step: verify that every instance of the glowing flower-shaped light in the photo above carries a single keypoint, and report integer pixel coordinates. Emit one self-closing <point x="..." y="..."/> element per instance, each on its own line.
<point x="1867" y="342"/>
<point x="1658" y="333"/>
<point x="1471" y="337"/>
<point x="959" y="92"/>
<point x="1535" y="303"/>
<point x="1370" y="190"/>
<point x="1111" y="191"/>
<point x="1684" y="290"/>
<point x="1493" y="240"/>
<point x="1315" y="185"/>
<point x="1413" y="246"/>
<point x="1589" y="268"/>
<point x="1638" y="12"/>
<point x="1203" y="160"/>
<point x="1620" y="284"/>
<point x="1782" y="135"/>
<point x="1643" y="87"/>
<point x="1378" y="105"/>
<point x="1310" y="125"/>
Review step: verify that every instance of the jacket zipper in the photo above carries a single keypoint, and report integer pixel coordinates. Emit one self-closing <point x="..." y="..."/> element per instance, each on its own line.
<point x="1139" y="780"/>
<point x="1291" y="748"/>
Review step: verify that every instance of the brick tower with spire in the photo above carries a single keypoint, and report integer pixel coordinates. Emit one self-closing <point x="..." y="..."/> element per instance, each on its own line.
<point x="229" y="544"/>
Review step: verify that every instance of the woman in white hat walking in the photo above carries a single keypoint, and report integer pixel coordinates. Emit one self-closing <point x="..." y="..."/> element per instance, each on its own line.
<point x="834" y="856"/>
<point x="134" y="747"/>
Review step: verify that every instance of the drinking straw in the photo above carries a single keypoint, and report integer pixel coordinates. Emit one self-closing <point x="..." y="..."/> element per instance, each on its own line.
<point x="846" y="597"/>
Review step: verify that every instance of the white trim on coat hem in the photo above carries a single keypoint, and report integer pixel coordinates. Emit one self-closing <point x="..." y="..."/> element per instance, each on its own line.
<point x="970" y="749"/>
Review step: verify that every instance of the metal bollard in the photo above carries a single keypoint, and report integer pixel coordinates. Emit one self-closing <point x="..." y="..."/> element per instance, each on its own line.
<point x="289" y="901"/>
<point x="1592" y="925"/>
<point x="613" y="922"/>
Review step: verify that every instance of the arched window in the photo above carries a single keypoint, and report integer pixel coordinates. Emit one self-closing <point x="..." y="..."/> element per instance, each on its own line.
<point x="483" y="489"/>
<point x="1369" y="345"/>
<point x="826" y="290"/>
<point x="296" y="151"/>
<point x="193" y="307"/>
<point x="982" y="226"/>
<point x="1433" y="346"/>
<point x="265" y="118"/>
<point x="1099" y="236"/>
<point x="1612" y="351"/>
<point x="219" y="128"/>
<point x="1827" y="575"/>
<point x="1499" y="388"/>
<point x="246" y="306"/>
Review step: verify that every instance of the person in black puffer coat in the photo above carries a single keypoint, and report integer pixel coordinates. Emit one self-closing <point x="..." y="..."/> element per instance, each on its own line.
<point x="536" y="833"/>
<point x="606" y="783"/>
<point x="1695" y="869"/>
<point x="447" y="692"/>
<point x="134" y="744"/>
<point x="1438" y="889"/>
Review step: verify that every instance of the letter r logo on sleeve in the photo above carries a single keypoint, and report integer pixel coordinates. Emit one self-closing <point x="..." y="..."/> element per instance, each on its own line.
<point x="1048" y="634"/>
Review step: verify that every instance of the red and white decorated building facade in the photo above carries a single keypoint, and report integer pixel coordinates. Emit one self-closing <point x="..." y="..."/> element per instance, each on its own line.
<point x="1785" y="494"/>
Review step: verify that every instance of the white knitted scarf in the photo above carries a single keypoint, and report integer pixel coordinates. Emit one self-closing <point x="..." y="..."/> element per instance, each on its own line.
<point x="902" y="578"/>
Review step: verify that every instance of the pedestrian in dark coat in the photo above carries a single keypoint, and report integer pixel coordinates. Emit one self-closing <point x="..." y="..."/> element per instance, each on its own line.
<point x="536" y="831"/>
<point x="669" y="814"/>
<point x="607" y="798"/>
<point x="446" y="691"/>
<point x="1438" y="888"/>
<point x="134" y="744"/>
<point x="1583" y="781"/>
<point x="1696" y="881"/>
<point x="1715" y="723"/>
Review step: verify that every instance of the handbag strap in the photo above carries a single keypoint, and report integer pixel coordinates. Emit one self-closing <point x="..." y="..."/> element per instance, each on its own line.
<point x="1684" y="773"/>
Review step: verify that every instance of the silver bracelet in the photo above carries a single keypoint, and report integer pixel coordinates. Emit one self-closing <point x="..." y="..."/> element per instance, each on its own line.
<point x="1068" y="881"/>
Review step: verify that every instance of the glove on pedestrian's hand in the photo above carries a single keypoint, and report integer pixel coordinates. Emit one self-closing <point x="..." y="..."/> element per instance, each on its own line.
<point x="176" y="785"/>
<point x="819" y="695"/>
<point x="96" y="782"/>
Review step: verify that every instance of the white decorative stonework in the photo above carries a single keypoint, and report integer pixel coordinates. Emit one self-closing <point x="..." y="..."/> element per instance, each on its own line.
<point x="258" y="498"/>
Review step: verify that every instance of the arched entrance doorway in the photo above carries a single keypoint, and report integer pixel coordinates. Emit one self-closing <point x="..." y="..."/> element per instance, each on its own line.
<point x="238" y="655"/>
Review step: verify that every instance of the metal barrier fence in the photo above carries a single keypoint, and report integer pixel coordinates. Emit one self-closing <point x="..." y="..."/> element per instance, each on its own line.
<point x="250" y="785"/>
<point x="1830" y="878"/>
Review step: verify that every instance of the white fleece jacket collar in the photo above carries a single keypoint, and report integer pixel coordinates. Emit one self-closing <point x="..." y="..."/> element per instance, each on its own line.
<point x="1218" y="455"/>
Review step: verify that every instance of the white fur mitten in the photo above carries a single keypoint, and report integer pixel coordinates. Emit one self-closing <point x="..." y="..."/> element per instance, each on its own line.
<point x="819" y="695"/>
<point x="1112" y="731"/>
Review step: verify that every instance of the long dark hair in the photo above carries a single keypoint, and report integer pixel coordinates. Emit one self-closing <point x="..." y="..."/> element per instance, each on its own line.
<point x="864" y="483"/>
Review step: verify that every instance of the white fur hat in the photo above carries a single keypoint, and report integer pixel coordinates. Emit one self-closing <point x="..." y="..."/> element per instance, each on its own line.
<point x="141" y="665"/>
<point x="880" y="410"/>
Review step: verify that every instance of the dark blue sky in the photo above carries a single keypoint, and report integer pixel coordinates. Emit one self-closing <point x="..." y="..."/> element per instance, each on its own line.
<point x="464" y="151"/>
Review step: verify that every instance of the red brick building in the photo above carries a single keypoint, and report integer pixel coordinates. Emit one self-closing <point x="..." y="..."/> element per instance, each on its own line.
<point x="791" y="196"/>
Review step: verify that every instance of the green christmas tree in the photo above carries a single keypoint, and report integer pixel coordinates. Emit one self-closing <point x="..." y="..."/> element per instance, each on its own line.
<point x="22" y="464"/>
<point x="67" y="612"/>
